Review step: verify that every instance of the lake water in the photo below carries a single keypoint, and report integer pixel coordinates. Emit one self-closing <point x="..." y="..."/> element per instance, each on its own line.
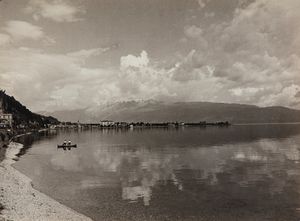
<point x="236" y="173"/>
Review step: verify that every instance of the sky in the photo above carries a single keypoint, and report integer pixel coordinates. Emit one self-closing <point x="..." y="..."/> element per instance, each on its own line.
<point x="71" y="54"/>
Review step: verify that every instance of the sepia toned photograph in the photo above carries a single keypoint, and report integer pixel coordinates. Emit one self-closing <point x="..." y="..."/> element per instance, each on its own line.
<point x="149" y="110"/>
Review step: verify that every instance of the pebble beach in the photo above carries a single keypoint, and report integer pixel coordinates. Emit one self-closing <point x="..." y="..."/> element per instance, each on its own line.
<point x="21" y="202"/>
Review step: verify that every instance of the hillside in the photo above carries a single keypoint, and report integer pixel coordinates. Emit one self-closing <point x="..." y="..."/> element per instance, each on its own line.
<point x="153" y="111"/>
<point x="21" y="115"/>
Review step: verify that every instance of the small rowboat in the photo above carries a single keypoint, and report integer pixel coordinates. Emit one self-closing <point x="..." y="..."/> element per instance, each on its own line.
<point x="67" y="146"/>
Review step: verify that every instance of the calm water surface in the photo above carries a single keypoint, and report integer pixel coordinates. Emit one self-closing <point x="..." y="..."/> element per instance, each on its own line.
<point x="236" y="173"/>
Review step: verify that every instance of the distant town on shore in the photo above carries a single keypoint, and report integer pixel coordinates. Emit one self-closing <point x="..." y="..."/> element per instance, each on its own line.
<point x="109" y="124"/>
<point x="15" y="118"/>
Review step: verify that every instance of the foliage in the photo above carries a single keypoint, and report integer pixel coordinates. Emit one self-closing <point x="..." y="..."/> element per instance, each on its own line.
<point x="21" y="115"/>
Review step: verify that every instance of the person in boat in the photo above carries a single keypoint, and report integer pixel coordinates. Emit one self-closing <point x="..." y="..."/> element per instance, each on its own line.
<point x="65" y="143"/>
<point x="69" y="143"/>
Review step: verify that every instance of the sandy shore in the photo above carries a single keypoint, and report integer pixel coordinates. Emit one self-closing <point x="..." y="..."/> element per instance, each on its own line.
<point x="22" y="202"/>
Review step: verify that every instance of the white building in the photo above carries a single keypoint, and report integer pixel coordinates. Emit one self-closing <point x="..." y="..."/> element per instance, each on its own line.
<point x="6" y="120"/>
<point x="107" y="123"/>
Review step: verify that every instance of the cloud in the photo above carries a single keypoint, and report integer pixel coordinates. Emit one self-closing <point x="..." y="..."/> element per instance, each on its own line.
<point x="287" y="96"/>
<point x="84" y="54"/>
<point x="56" y="81"/>
<point x="55" y="10"/>
<point x="135" y="61"/>
<point x="141" y="80"/>
<point x="202" y="3"/>
<point x="4" y="39"/>
<point x="88" y="53"/>
<point x="250" y="58"/>
<point x="193" y="31"/>
<point x="253" y="56"/>
<point x="191" y="68"/>
<point x="21" y="30"/>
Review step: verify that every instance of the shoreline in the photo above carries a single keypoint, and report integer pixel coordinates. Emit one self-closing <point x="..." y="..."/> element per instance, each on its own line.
<point x="4" y="141"/>
<point x="21" y="201"/>
<point x="8" y="139"/>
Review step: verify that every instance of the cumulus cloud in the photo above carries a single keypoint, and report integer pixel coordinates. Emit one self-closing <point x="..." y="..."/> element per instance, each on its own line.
<point x="62" y="81"/>
<point x="250" y="58"/>
<point x="55" y="10"/>
<point x="135" y="61"/>
<point x="254" y="55"/>
<point x="55" y="80"/>
<point x="141" y="80"/>
<point x="21" y="30"/>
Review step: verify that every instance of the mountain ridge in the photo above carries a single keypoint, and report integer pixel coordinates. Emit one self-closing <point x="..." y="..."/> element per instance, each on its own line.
<point x="21" y="114"/>
<point x="134" y="111"/>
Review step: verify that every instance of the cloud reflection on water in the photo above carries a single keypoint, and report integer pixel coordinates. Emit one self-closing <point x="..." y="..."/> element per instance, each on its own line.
<point x="238" y="173"/>
<point x="137" y="171"/>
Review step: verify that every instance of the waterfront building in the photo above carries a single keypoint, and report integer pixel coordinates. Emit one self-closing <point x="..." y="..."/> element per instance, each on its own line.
<point x="107" y="123"/>
<point x="121" y="124"/>
<point x="6" y="120"/>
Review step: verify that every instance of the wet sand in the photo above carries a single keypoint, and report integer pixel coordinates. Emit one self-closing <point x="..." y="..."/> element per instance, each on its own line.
<point x="4" y="140"/>
<point x="2" y="155"/>
<point x="2" y="152"/>
<point x="22" y="202"/>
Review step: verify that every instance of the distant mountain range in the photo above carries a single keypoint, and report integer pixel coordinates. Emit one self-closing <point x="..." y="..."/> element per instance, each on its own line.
<point x="154" y="111"/>
<point x="21" y="115"/>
